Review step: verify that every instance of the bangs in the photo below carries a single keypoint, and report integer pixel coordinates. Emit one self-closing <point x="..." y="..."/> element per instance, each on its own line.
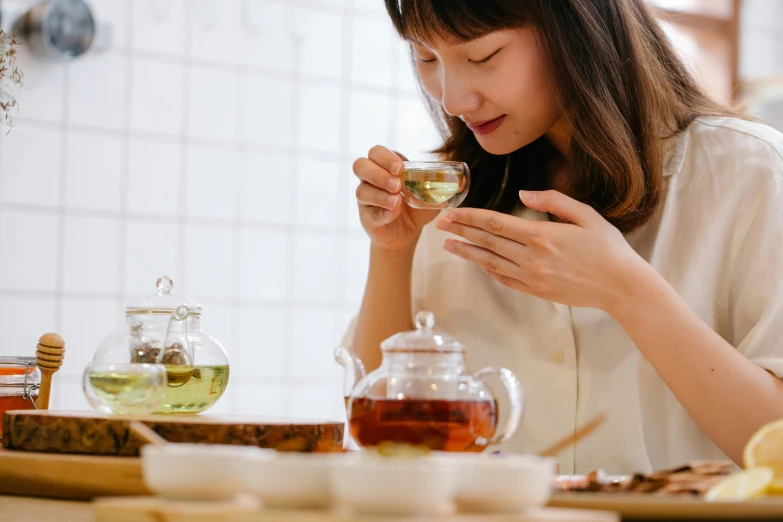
<point x="454" y="21"/>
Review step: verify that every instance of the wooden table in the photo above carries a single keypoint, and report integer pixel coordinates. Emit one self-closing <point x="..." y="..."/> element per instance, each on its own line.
<point x="24" y="509"/>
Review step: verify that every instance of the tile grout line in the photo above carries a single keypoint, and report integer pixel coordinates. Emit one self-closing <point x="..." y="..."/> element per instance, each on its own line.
<point x="184" y="152"/>
<point x="310" y="79"/>
<point x="240" y="181"/>
<point x="24" y="208"/>
<point x="345" y="132"/>
<point x="259" y="148"/>
<point x="125" y="163"/>
<point x="290" y="238"/>
<point x="62" y="180"/>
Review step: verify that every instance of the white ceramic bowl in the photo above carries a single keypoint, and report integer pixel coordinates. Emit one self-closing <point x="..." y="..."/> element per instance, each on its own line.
<point x="290" y="480"/>
<point x="501" y="484"/>
<point x="197" y="471"/>
<point x="391" y="486"/>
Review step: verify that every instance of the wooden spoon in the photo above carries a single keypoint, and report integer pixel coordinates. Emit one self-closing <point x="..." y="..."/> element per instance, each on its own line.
<point x="49" y="357"/>
<point x="575" y="437"/>
<point x="147" y="433"/>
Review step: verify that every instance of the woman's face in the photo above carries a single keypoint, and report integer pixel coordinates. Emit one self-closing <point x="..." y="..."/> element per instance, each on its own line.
<point x="499" y="85"/>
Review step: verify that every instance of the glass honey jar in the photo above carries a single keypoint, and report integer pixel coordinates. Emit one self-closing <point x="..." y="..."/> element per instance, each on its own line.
<point x="20" y="380"/>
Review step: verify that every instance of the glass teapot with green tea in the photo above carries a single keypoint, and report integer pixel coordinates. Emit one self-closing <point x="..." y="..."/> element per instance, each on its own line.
<point x="159" y="361"/>
<point x="422" y="394"/>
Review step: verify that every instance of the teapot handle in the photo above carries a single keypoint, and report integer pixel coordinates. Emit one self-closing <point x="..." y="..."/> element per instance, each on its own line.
<point x="516" y="402"/>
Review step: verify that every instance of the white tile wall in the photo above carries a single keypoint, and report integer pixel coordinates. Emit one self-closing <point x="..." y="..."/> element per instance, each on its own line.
<point x="150" y="250"/>
<point x="30" y="165"/>
<point x="263" y="265"/>
<point x="96" y="91"/>
<point x="89" y="154"/>
<point x="266" y="187"/>
<point x="320" y="117"/>
<point x="212" y="107"/>
<point x="318" y="192"/>
<point x="158" y="27"/>
<point x="211" y="182"/>
<point x="156" y="94"/>
<point x="319" y="35"/>
<point x="154" y="168"/>
<point x="91" y="254"/>
<point x="265" y="119"/>
<point x="213" y="142"/>
<point x="28" y="252"/>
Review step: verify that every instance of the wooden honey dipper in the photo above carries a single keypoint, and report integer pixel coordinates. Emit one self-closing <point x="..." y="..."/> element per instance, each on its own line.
<point x="49" y="357"/>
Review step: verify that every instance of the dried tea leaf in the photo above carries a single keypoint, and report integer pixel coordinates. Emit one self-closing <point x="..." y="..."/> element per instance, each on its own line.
<point x="398" y="450"/>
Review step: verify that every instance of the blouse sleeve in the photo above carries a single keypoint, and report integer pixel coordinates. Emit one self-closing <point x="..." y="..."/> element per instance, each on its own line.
<point x="756" y="291"/>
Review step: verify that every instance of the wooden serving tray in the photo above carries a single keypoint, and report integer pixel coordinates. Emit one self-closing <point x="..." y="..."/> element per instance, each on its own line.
<point x="247" y="510"/>
<point x="87" y="432"/>
<point x="640" y="506"/>
<point x="69" y="476"/>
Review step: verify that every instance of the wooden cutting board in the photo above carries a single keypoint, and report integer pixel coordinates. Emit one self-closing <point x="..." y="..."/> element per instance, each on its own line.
<point x="87" y="432"/>
<point x="640" y="506"/>
<point x="69" y="476"/>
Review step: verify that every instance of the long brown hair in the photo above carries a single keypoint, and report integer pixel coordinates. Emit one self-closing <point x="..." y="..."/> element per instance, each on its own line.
<point x="621" y="87"/>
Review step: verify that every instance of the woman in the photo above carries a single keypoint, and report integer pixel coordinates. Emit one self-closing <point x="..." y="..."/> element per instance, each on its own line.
<point x="620" y="248"/>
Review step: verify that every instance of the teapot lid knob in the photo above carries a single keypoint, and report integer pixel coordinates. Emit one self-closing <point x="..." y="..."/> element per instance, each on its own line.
<point x="164" y="285"/>
<point x="182" y="312"/>
<point x="425" y="320"/>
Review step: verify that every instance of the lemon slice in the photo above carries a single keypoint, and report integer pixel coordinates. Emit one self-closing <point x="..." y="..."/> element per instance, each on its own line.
<point x="744" y="485"/>
<point x="765" y="448"/>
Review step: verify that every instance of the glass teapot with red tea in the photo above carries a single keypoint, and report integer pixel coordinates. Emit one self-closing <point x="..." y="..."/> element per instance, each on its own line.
<point x="422" y="394"/>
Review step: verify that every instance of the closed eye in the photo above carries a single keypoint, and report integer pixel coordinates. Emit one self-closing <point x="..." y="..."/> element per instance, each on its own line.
<point x="485" y="60"/>
<point x="427" y="61"/>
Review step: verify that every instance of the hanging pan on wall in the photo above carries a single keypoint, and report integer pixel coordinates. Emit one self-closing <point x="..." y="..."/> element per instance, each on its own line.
<point x="60" y="29"/>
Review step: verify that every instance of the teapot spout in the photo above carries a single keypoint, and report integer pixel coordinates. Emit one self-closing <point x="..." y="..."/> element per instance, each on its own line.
<point x="353" y="366"/>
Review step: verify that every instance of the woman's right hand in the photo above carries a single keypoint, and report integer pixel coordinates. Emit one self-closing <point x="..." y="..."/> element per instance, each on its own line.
<point x="393" y="226"/>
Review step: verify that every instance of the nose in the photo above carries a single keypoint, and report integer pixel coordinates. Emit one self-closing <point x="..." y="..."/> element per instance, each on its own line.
<point x="458" y="96"/>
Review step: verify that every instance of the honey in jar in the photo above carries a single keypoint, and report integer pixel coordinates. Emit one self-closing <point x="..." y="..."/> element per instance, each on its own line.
<point x="19" y="382"/>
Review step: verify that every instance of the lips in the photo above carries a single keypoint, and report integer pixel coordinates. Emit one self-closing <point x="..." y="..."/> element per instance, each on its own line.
<point x="486" y="126"/>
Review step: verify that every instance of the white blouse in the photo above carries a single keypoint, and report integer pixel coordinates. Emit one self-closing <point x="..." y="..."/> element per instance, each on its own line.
<point x="717" y="238"/>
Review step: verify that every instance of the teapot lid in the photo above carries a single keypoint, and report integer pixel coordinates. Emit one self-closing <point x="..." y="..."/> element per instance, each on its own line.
<point x="162" y="301"/>
<point x="423" y="338"/>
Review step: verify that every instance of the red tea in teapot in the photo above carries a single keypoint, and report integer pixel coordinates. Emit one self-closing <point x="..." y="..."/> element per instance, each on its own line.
<point x="441" y="425"/>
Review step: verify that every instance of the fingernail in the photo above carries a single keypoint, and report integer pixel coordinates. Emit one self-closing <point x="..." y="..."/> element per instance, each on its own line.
<point x="449" y="246"/>
<point x="392" y="200"/>
<point x="394" y="185"/>
<point x="527" y="195"/>
<point x="443" y="224"/>
<point x="396" y="168"/>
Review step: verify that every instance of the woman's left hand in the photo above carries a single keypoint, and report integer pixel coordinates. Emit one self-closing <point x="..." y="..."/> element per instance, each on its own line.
<point x="584" y="261"/>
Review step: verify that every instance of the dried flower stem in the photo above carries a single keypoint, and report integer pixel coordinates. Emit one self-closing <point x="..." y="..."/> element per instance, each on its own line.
<point x="9" y="74"/>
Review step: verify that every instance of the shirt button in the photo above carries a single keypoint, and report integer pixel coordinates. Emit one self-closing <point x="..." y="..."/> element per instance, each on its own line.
<point x="558" y="357"/>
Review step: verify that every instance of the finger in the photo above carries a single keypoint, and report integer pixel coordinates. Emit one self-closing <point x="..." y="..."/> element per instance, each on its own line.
<point x="375" y="217"/>
<point x="500" y="245"/>
<point x="560" y="205"/>
<point x="370" y="172"/>
<point x="368" y="195"/>
<point x="515" y="284"/>
<point x="510" y="227"/>
<point x="481" y="257"/>
<point x="386" y="159"/>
